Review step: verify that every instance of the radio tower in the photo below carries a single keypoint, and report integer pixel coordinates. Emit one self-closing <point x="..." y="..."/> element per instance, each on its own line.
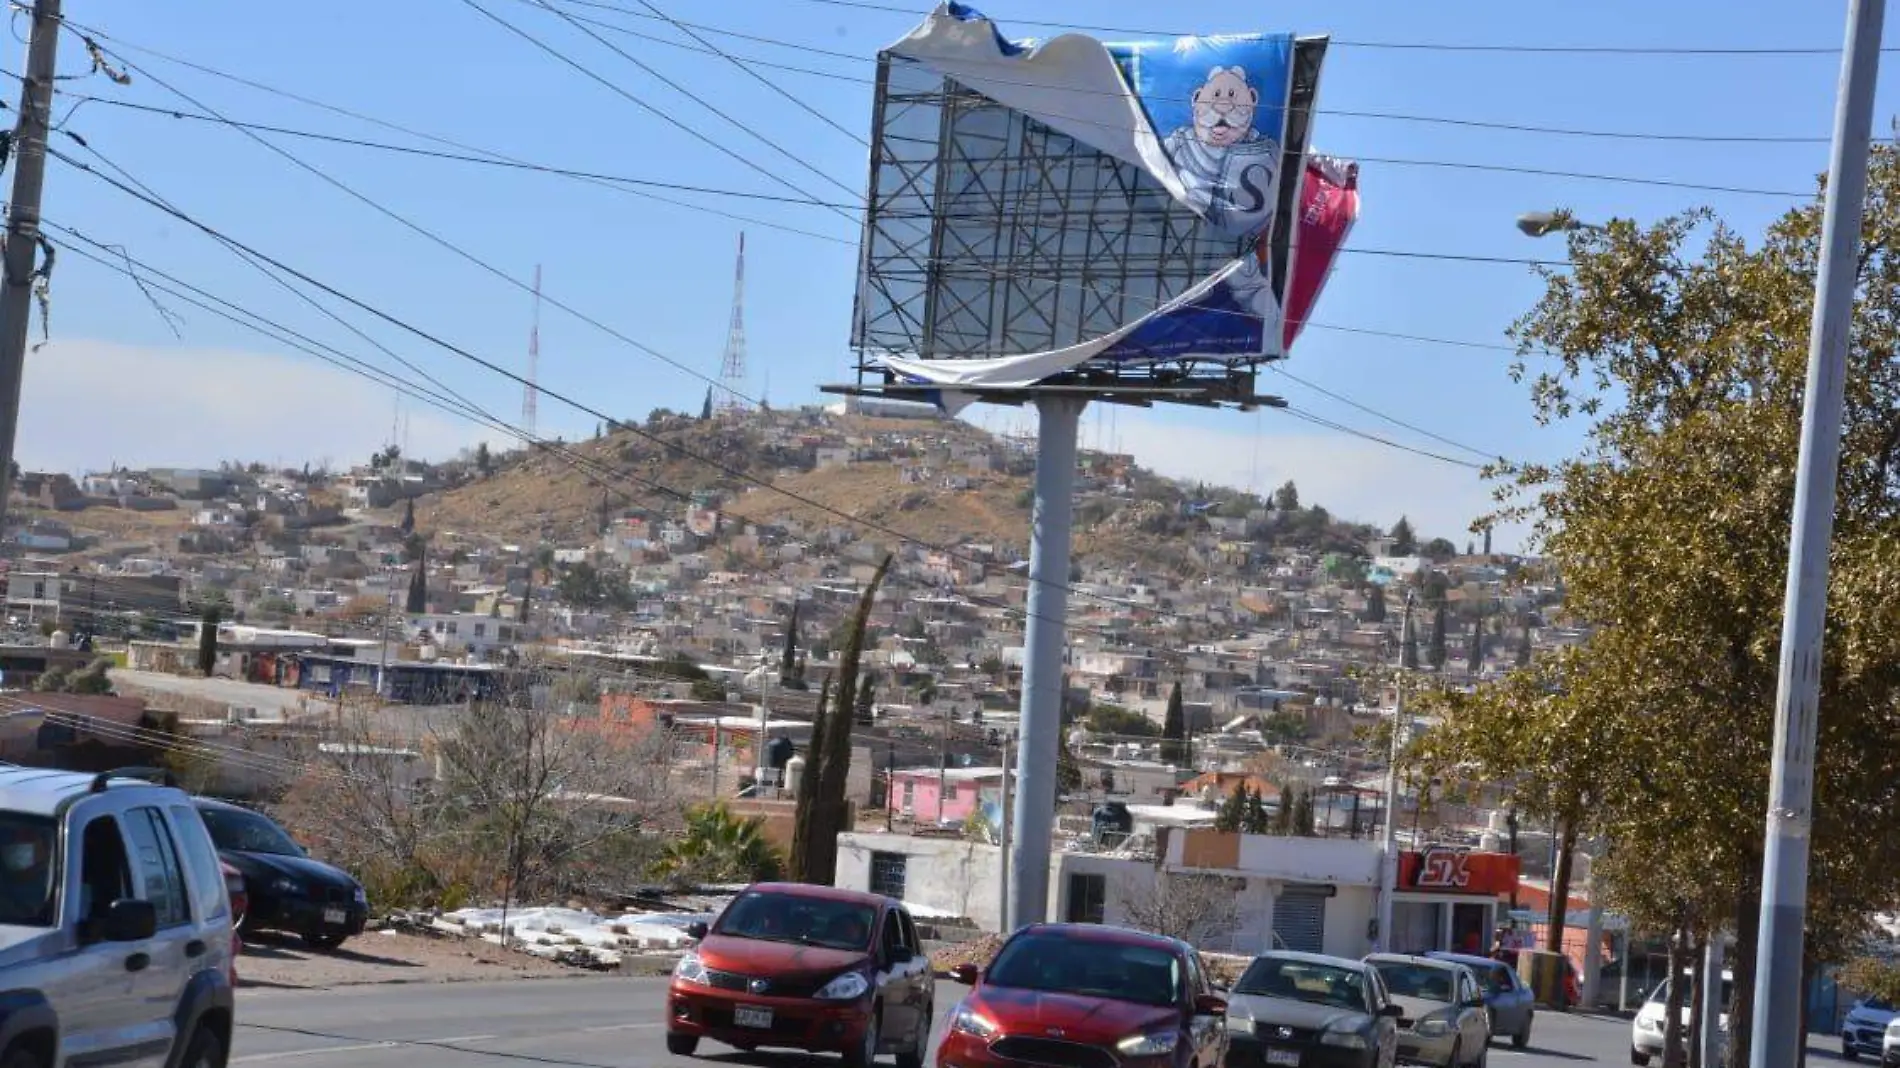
<point x="528" y="392"/>
<point x="732" y="367"/>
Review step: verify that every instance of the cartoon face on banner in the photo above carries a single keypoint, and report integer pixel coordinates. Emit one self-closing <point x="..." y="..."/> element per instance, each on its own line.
<point x="1219" y="106"/>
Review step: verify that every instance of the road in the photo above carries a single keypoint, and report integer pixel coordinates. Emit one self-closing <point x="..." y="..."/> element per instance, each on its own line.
<point x="615" y="1023"/>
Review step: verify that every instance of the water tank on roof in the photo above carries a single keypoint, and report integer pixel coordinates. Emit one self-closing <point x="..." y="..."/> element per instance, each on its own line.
<point x="59" y="639"/>
<point x="779" y="752"/>
<point x="794" y="773"/>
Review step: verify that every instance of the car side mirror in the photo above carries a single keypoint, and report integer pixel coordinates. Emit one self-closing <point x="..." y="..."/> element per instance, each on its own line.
<point x="129" y="920"/>
<point x="696" y="930"/>
<point x="1392" y="1010"/>
<point x="967" y="974"/>
<point x="1209" y="1005"/>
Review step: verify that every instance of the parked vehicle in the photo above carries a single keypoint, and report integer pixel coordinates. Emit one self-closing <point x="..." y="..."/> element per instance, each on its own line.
<point x="1305" y="1010"/>
<point x="1509" y="1000"/>
<point x="285" y="889"/>
<point x="1553" y="976"/>
<point x="1646" y="1032"/>
<point x="1444" y="1021"/>
<point x="1086" y="996"/>
<point x="234" y="891"/>
<point x="1864" y="1030"/>
<point x="1890" y="1045"/>
<point x="115" y="924"/>
<point x="810" y="968"/>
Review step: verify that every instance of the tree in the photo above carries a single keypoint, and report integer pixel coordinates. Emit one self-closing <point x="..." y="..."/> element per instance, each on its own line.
<point x="1119" y="723"/>
<point x="409" y="517"/>
<point x="1408" y="648"/>
<point x="1233" y="810"/>
<point x="1522" y="654"/>
<point x="1174" y="730"/>
<point x="1256" y="819"/>
<point x="484" y="463"/>
<point x="718" y="846"/>
<point x="1375" y="604"/>
<point x="822" y="810"/>
<point x="706" y="409"/>
<point x="1175" y="905"/>
<point x="867" y="705"/>
<point x="1435" y="649"/>
<point x="789" y="675"/>
<point x="1440" y="549"/>
<point x="208" y="641"/>
<point x="418" y="601"/>
<point x="1283" y="812"/>
<point x="1474" y="648"/>
<point x="1303" y="824"/>
<point x="1287" y="497"/>
<point x="1068" y="770"/>
<point x="1404" y="539"/>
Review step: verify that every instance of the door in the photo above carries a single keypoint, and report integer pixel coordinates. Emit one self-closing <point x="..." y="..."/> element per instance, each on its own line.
<point x="1299" y="919"/>
<point x="898" y="981"/>
<point x="97" y="992"/>
<point x="1206" y="1033"/>
<point x="1474" y="1022"/>
<point x="1384" y="1028"/>
<point x="177" y="951"/>
<point x="1513" y="1000"/>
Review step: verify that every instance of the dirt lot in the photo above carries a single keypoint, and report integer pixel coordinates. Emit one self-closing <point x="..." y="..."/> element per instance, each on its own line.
<point x="385" y="957"/>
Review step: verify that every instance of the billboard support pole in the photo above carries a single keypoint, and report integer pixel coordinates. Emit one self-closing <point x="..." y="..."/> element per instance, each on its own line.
<point x="1044" y="641"/>
<point x="1775" y="1027"/>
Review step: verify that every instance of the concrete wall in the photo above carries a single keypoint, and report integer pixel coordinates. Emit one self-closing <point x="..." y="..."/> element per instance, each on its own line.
<point x="1341" y="862"/>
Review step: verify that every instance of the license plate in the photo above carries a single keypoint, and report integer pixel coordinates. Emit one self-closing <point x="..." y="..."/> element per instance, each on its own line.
<point x="1284" y="1056"/>
<point x="336" y="917"/>
<point x="752" y="1016"/>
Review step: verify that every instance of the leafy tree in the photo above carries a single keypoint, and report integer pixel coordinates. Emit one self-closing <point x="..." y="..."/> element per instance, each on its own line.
<point x="789" y="675"/>
<point x="583" y="586"/>
<point x="1375" y="604"/>
<point x="1522" y="653"/>
<point x="822" y="812"/>
<point x="1283" y="812"/>
<point x="1303" y="824"/>
<point x="1287" y="497"/>
<point x="1119" y="722"/>
<point x="418" y="602"/>
<point x="1233" y="810"/>
<point x="1435" y="649"/>
<point x="208" y="641"/>
<point x="1257" y="820"/>
<point x="1474" y="649"/>
<point x="413" y="546"/>
<point x="1408" y="647"/>
<point x="867" y="705"/>
<point x="1174" y="749"/>
<point x="719" y="846"/>
<point x="1440" y="549"/>
<point x="484" y="463"/>
<point x="706" y="409"/>
<point x="1404" y="539"/>
<point x="409" y="517"/>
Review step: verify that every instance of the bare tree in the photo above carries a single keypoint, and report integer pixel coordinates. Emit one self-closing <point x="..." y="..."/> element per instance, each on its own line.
<point x="1192" y="908"/>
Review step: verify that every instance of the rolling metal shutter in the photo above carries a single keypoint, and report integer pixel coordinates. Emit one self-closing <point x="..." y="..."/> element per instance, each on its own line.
<point x="1299" y="919"/>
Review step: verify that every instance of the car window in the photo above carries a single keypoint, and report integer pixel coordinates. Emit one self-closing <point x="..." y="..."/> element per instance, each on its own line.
<point x="104" y="874"/>
<point x="160" y="878"/>
<point x="1197" y="979"/>
<point x="910" y="932"/>
<point x="893" y="939"/>
<point x="1498" y="980"/>
<point x="212" y="897"/>
<point x="27" y="869"/>
<point x="1313" y="982"/>
<point x="1102" y="968"/>
<point x="1409" y="980"/>
<point x="798" y="919"/>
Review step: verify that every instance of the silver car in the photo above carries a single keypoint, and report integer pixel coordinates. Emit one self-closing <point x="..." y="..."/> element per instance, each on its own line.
<point x="1444" y="1022"/>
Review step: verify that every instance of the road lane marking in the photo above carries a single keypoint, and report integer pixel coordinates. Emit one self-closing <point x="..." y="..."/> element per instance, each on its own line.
<point x="361" y="1047"/>
<point x="617" y="1027"/>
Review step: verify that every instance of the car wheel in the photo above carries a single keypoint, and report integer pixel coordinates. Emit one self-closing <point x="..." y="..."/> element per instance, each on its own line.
<point x="323" y="940"/>
<point x="1457" y="1050"/>
<point x="681" y="1045"/>
<point x="22" y="1058"/>
<point x="1638" y="1057"/>
<point x="866" y="1053"/>
<point x="913" y="1057"/>
<point x="1523" y="1036"/>
<point x="204" y="1050"/>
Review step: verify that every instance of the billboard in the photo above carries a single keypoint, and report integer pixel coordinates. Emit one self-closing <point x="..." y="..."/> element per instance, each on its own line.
<point x="1040" y="210"/>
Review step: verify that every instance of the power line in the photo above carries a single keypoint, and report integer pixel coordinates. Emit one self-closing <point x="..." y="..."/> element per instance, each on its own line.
<point x="1315" y="387"/>
<point x="1344" y="429"/>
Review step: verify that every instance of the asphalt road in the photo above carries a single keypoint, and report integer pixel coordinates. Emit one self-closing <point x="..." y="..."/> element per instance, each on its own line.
<point x="615" y="1023"/>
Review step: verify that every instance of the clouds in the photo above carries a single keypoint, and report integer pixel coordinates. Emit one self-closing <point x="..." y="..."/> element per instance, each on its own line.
<point x="89" y="403"/>
<point x="1350" y="477"/>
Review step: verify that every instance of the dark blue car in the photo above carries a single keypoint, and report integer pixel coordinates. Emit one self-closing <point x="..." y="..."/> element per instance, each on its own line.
<point x="1507" y="998"/>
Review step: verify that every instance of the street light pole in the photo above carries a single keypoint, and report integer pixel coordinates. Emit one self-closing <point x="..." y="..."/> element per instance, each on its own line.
<point x="1389" y="841"/>
<point x="1776" y="1031"/>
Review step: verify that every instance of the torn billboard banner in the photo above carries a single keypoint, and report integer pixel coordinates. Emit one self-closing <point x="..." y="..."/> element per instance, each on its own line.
<point x="1205" y="129"/>
<point x="1329" y="205"/>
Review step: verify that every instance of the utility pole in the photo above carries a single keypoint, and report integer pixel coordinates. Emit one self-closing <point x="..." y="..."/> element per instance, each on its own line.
<point x="382" y="663"/>
<point x="1389" y="842"/>
<point x="943" y="762"/>
<point x="890" y="782"/>
<point x="1775" y="1032"/>
<point x="1002" y="856"/>
<point x="715" y="759"/>
<point x="23" y="227"/>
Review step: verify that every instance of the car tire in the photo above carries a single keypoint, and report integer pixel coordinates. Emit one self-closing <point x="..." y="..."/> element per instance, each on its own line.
<point x="204" y="1050"/>
<point x="681" y="1045"/>
<point x="866" y="1054"/>
<point x="919" y="1050"/>
<point x="322" y="940"/>
<point x="1849" y="1053"/>
<point x="22" y="1058"/>
<point x="1523" y="1038"/>
<point x="1638" y="1056"/>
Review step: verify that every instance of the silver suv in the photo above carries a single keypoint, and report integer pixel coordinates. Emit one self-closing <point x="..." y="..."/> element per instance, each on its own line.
<point x="115" y="924"/>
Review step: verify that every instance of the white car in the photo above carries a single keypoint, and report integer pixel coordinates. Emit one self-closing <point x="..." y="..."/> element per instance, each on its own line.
<point x="1646" y="1033"/>
<point x="1890" y="1045"/>
<point x="1863" y="1032"/>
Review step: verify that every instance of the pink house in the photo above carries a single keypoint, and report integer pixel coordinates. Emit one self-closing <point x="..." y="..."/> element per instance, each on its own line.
<point x="915" y="791"/>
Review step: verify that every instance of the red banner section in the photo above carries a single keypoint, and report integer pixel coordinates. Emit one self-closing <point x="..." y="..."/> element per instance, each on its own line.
<point x="1329" y="205"/>
<point x="1448" y="870"/>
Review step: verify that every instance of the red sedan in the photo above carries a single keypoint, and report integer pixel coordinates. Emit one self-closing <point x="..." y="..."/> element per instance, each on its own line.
<point x="1087" y="996"/>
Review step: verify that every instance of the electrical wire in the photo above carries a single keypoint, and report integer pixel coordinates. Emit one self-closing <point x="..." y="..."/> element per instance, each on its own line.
<point x="1348" y="401"/>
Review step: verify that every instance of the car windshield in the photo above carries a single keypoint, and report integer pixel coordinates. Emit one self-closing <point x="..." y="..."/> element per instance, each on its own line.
<point x="1405" y="979"/>
<point x="26" y="869"/>
<point x="1661" y="993"/>
<point x="1090" y="967"/>
<point x="795" y="918"/>
<point x="1877" y="1005"/>
<point x="1308" y="981"/>
<point x="247" y="832"/>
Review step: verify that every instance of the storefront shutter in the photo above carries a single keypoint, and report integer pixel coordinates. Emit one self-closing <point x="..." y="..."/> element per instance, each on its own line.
<point x="1299" y="918"/>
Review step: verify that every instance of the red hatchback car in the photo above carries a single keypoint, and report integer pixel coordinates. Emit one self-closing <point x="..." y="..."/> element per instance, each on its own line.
<point x="1086" y="996"/>
<point x="812" y="968"/>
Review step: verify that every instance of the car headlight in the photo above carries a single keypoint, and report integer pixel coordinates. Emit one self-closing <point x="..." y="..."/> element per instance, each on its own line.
<point x="689" y="969"/>
<point x="286" y="886"/>
<point x="1432" y="1027"/>
<point x="1157" y="1044"/>
<point x="847" y="987"/>
<point x="967" y="1021"/>
<point x="1343" y="1039"/>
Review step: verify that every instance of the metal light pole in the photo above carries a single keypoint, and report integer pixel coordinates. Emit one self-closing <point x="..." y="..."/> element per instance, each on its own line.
<point x="1388" y="839"/>
<point x="1776" y="1026"/>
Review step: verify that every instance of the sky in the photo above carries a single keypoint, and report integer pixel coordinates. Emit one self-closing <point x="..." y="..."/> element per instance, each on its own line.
<point x="120" y="380"/>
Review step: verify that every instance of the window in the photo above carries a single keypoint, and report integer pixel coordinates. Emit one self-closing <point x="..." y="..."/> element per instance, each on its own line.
<point x="887" y="874"/>
<point x="104" y="876"/>
<point x="201" y="857"/>
<point x="1088" y="899"/>
<point x="481" y="630"/>
<point x="243" y="831"/>
<point x="320" y="673"/>
<point x="160" y="879"/>
<point x="893" y="937"/>
<point x="26" y="876"/>
<point x="910" y="933"/>
<point x="909" y="789"/>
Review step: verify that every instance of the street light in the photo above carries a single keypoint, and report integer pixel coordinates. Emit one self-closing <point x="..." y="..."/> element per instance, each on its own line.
<point x="1545" y="223"/>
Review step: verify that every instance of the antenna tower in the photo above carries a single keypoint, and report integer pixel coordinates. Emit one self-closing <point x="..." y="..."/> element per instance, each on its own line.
<point x="732" y="366"/>
<point x="529" y="393"/>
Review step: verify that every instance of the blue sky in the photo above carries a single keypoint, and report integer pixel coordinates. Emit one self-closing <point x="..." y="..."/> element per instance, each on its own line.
<point x="662" y="274"/>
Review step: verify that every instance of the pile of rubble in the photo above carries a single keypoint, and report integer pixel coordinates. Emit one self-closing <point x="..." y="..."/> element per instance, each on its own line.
<point x="576" y="937"/>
